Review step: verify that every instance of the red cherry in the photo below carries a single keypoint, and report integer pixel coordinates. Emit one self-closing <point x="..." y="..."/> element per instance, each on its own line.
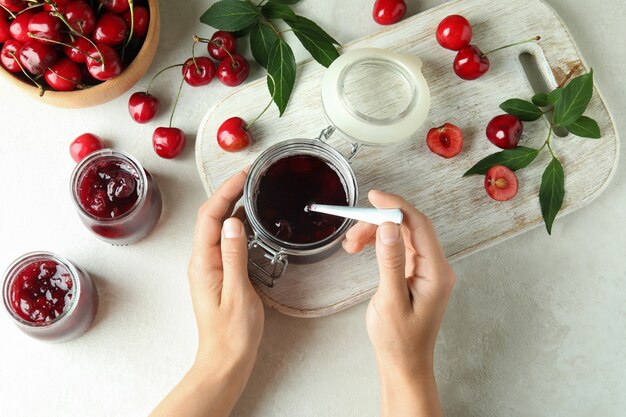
<point x="5" y="31"/>
<point x="222" y="42"/>
<point x="454" y="32"/>
<point x="59" y="5"/>
<point x="19" y="26"/>
<point x="44" y="25"/>
<point x="141" y="18"/>
<point x="64" y="75"/>
<point x="110" y="30"/>
<point x="143" y="107"/>
<point x="233" y="71"/>
<point x="10" y="51"/>
<point x="501" y="183"/>
<point x="14" y="5"/>
<point x="446" y="140"/>
<point x="504" y="131"/>
<point x="199" y="75"/>
<point x="81" y="17"/>
<point x="470" y="63"/>
<point x="78" y="50"/>
<point x="168" y="142"/>
<point x="233" y="135"/>
<point x="84" y="145"/>
<point x="112" y="65"/>
<point x="115" y="6"/>
<point x="388" y="12"/>
<point x="36" y="57"/>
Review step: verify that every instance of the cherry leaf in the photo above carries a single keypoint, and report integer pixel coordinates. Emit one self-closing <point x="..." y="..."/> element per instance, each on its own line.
<point x="281" y="70"/>
<point x="551" y="192"/>
<point x="262" y="39"/>
<point x="230" y="15"/>
<point x="514" y="159"/>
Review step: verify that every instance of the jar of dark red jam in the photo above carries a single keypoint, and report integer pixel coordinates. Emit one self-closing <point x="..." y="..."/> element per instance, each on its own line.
<point x="116" y="198"/>
<point x="48" y="297"/>
<point x="281" y="182"/>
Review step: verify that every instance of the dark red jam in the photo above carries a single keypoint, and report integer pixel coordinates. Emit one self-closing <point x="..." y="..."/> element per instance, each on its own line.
<point x="287" y="187"/>
<point x="108" y="188"/>
<point x="42" y="291"/>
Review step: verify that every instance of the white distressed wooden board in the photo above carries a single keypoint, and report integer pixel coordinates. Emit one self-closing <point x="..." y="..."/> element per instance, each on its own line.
<point x="465" y="218"/>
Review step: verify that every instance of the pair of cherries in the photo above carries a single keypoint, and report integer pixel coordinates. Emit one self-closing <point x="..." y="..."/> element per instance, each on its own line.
<point x="455" y="33"/>
<point x="232" y="70"/>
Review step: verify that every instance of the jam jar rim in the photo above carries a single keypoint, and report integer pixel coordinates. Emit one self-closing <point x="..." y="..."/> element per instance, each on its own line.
<point x="18" y="264"/>
<point x="268" y="156"/>
<point x="108" y="152"/>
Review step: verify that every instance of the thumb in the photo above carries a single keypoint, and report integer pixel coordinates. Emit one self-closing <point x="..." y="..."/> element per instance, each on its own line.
<point x="234" y="256"/>
<point x="391" y="255"/>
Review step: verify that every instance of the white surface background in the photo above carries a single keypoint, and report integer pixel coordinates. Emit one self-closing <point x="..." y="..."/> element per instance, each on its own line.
<point x="536" y="325"/>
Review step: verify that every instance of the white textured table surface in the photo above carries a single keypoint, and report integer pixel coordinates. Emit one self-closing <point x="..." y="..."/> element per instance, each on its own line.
<point x="536" y="325"/>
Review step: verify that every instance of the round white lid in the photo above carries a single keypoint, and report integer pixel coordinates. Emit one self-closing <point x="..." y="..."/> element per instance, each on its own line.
<point x="376" y="97"/>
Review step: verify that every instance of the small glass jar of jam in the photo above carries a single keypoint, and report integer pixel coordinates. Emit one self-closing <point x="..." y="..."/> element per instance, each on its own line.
<point x="116" y="198"/>
<point x="48" y="297"/>
<point x="281" y="182"/>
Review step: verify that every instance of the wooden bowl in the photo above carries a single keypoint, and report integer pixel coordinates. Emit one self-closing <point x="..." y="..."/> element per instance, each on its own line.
<point x="107" y="90"/>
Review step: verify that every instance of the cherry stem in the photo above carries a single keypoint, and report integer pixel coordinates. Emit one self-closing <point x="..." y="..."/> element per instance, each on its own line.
<point x="132" y="23"/>
<point x="39" y="86"/>
<point x="64" y="78"/>
<point x="8" y="11"/>
<point x="276" y="31"/>
<point x="268" y="104"/>
<point x="30" y="35"/>
<point x="536" y="38"/>
<point x="193" y="54"/>
<point x="159" y="73"/>
<point x="35" y="6"/>
<point x="182" y="81"/>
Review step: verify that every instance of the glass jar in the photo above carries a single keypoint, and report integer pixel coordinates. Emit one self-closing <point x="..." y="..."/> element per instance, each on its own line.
<point x="371" y="97"/>
<point x="116" y="198"/>
<point x="33" y="285"/>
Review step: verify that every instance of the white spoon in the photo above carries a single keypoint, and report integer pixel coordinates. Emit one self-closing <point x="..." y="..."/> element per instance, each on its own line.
<point x="368" y="215"/>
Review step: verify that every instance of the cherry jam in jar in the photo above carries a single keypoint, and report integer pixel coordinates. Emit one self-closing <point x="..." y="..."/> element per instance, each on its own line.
<point x="281" y="182"/>
<point x="287" y="187"/>
<point x="48" y="297"/>
<point x="116" y="197"/>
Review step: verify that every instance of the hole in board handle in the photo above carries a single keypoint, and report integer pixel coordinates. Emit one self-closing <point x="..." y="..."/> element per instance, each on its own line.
<point x="538" y="84"/>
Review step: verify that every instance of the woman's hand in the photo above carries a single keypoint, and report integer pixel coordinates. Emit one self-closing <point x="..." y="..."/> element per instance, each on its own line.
<point x="228" y="312"/>
<point x="405" y="313"/>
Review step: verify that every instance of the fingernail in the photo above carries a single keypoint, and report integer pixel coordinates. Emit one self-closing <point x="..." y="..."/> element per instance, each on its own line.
<point x="389" y="233"/>
<point x="232" y="229"/>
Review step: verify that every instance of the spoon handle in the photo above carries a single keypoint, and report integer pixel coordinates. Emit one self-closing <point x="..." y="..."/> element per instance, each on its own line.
<point x="368" y="215"/>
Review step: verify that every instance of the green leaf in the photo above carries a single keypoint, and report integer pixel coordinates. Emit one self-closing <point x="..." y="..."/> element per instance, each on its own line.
<point x="282" y="67"/>
<point x="514" y="159"/>
<point x="555" y="95"/>
<point x="262" y="39"/>
<point x="540" y="99"/>
<point x="574" y="100"/>
<point x="277" y="11"/>
<point x="315" y="40"/>
<point x="552" y="192"/>
<point x="284" y="1"/>
<point x="585" y="127"/>
<point x="230" y="15"/>
<point x="308" y="26"/>
<point x="522" y="109"/>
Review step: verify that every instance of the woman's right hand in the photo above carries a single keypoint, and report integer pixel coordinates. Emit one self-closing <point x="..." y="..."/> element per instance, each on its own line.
<point x="405" y="313"/>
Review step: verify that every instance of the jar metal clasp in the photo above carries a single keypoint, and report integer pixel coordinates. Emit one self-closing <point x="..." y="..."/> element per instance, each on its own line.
<point x="326" y="133"/>
<point x="269" y="271"/>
